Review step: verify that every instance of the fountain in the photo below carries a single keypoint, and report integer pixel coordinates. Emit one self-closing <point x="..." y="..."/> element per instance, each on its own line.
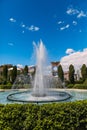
<point x="43" y="90"/>
<point x="39" y="89"/>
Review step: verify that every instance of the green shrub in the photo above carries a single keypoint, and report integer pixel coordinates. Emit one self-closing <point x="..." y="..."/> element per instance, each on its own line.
<point x="8" y="86"/>
<point x="80" y="86"/>
<point x="70" y="86"/>
<point x="56" y="116"/>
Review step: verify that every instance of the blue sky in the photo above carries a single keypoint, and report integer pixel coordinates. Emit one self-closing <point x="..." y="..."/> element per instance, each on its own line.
<point x="61" y="24"/>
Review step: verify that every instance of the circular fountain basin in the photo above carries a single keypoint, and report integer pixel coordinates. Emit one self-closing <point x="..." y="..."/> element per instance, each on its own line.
<point x="27" y="97"/>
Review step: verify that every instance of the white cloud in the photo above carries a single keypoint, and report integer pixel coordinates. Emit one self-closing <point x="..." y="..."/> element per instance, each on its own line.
<point x="65" y="27"/>
<point x="78" y="13"/>
<point x="76" y="58"/>
<point x="72" y="11"/>
<point x="19" y="65"/>
<point x="11" y="44"/>
<point x="81" y="14"/>
<point x="36" y="28"/>
<point x="12" y="20"/>
<point x="22" y="25"/>
<point x="74" y="22"/>
<point x="60" y="22"/>
<point x="33" y="28"/>
<point x="69" y="51"/>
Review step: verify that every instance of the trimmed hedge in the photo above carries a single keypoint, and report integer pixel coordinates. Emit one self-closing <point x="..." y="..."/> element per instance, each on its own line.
<point x="56" y="116"/>
<point x="80" y="86"/>
<point x="8" y="86"/>
<point x="70" y="85"/>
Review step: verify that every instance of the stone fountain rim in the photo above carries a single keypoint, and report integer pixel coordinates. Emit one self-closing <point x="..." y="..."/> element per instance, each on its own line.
<point x="9" y="97"/>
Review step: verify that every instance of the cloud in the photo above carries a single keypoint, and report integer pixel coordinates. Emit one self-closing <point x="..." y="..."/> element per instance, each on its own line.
<point x="12" y="20"/>
<point x="76" y="58"/>
<point x="33" y="28"/>
<point x="60" y="22"/>
<point x="19" y="65"/>
<point x="22" y="25"/>
<point x="72" y="11"/>
<point x="36" y="28"/>
<point x="78" y="13"/>
<point x="65" y="27"/>
<point x="74" y="23"/>
<point x="69" y="51"/>
<point x="81" y="14"/>
<point x="11" y="44"/>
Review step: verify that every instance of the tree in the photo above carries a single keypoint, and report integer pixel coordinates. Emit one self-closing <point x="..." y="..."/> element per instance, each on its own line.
<point x="60" y="73"/>
<point x="25" y="70"/>
<point x="14" y="73"/>
<point x="84" y="72"/>
<point x="5" y="72"/>
<point x="71" y="74"/>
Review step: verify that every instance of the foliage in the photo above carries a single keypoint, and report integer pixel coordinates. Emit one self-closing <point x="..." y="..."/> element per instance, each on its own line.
<point x="79" y="81"/>
<point x="70" y="86"/>
<point x="7" y="86"/>
<point x="80" y="86"/>
<point x="84" y="71"/>
<point x="60" y="73"/>
<point x="14" y="73"/>
<point x="85" y="82"/>
<point x="56" y="116"/>
<point x="5" y="72"/>
<point x="25" y="70"/>
<point x="71" y="74"/>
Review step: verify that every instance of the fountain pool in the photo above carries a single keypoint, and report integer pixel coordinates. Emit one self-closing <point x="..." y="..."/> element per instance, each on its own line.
<point x="76" y="95"/>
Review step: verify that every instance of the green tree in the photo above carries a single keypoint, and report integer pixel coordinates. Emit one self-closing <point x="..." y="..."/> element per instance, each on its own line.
<point x="5" y="72"/>
<point x="71" y="74"/>
<point x="84" y="72"/>
<point x="14" y="73"/>
<point x="25" y="70"/>
<point x="60" y="73"/>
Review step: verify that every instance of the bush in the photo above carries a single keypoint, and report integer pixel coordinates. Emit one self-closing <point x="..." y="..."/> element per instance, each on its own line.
<point x="80" y="86"/>
<point x="56" y="116"/>
<point x="70" y="86"/>
<point x="8" y="86"/>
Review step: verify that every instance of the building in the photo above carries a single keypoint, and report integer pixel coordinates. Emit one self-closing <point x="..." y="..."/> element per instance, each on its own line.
<point x="55" y="65"/>
<point x="66" y="75"/>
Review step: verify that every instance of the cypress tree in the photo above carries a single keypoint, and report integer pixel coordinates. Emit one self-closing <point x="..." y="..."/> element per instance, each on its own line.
<point x="71" y="74"/>
<point x="84" y="72"/>
<point x="14" y="73"/>
<point x="25" y="70"/>
<point x="5" y="72"/>
<point x="60" y="73"/>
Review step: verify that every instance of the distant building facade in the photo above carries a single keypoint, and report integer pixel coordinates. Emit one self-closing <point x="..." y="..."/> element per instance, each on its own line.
<point x="55" y="65"/>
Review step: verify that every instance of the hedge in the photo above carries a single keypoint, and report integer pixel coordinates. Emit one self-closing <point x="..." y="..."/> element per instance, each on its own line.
<point x="8" y="86"/>
<point x="55" y="116"/>
<point x="80" y="86"/>
<point x="70" y="85"/>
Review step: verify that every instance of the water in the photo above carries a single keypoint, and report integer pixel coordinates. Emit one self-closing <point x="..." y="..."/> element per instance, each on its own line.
<point x="76" y="95"/>
<point x="40" y="85"/>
